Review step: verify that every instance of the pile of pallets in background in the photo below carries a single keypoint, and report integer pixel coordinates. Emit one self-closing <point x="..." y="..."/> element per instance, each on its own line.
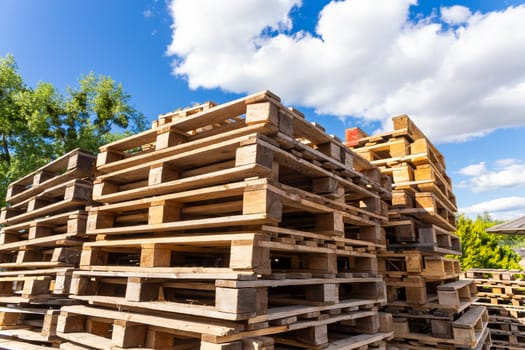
<point x="431" y="308"/>
<point x="502" y="292"/>
<point x="233" y="226"/>
<point x="43" y="228"/>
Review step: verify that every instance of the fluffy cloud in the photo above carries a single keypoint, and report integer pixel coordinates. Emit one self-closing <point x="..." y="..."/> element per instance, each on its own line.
<point x="459" y="77"/>
<point x="505" y="208"/>
<point x="505" y="174"/>
<point x="455" y="14"/>
<point x="474" y="169"/>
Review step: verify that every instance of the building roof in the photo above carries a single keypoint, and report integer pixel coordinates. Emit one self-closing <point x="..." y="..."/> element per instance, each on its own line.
<point x="514" y="227"/>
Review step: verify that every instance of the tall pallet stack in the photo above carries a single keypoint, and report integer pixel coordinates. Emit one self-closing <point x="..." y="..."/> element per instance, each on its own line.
<point x="43" y="228"/>
<point x="502" y="292"/>
<point x="431" y="308"/>
<point x="236" y="226"/>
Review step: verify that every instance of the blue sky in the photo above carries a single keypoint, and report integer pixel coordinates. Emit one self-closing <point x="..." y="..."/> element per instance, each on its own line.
<point x="456" y="67"/>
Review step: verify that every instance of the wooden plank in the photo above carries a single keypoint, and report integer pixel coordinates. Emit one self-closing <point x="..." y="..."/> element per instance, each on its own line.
<point x="9" y="344"/>
<point x="207" y="179"/>
<point x="226" y="221"/>
<point x="183" y="323"/>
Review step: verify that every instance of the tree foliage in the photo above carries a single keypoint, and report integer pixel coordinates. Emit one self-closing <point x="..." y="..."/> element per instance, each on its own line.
<point x="40" y="124"/>
<point x="482" y="249"/>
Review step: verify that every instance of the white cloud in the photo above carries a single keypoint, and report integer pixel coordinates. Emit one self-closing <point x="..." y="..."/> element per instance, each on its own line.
<point x="365" y="60"/>
<point x="473" y="169"/>
<point x="455" y="14"/>
<point x="505" y="208"/>
<point x="505" y="174"/>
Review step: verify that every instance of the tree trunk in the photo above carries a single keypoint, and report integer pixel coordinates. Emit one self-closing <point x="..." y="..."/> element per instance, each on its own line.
<point x="6" y="156"/>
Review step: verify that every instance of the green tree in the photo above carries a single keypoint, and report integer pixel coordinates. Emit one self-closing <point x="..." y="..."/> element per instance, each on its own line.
<point x="481" y="249"/>
<point x="38" y="125"/>
<point x="15" y="138"/>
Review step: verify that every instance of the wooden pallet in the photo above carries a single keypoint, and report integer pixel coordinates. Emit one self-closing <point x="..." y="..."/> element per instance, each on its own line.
<point x="40" y="257"/>
<point x="263" y="113"/>
<point x="35" y="286"/>
<point x="414" y="148"/>
<point x="71" y="195"/>
<point x="422" y="178"/>
<point x="102" y="328"/>
<point x="514" y="289"/>
<point x="502" y="300"/>
<point x="509" y="338"/>
<point x="429" y="209"/>
<point x="282" y="297"/>
<point x="465" y="328"/>
<point x="30" y="325"/>
<point x="503" y="345"/>
<point x="514" y="313"/>
<point x="367" y="333"/>
<point x="495" y="274"/>
<point x="237" y="159"/>
<point x="416" y="293"/>
<point x="253" y="202"/>
<point x="484" y="343"/>
<point x="259" y="111"/>
<point x="65" y="229"/>
<point x="413" y="262"/>
<point x="468" y="330"/>
<point x="408" y="233"/>
<point x="254" y="252"/>
<point x="76" y="164"/>
<point x="356" y="138"/>
<point x="507" y="324"/>
<point x="403" y="127"/>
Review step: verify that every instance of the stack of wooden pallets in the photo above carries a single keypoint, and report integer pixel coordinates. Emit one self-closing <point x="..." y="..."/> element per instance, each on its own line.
<point x="233" y="226"/>
<point x="43" y="228"/>
<point x="502" y="292"/>
<point x="431" y="308"/>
